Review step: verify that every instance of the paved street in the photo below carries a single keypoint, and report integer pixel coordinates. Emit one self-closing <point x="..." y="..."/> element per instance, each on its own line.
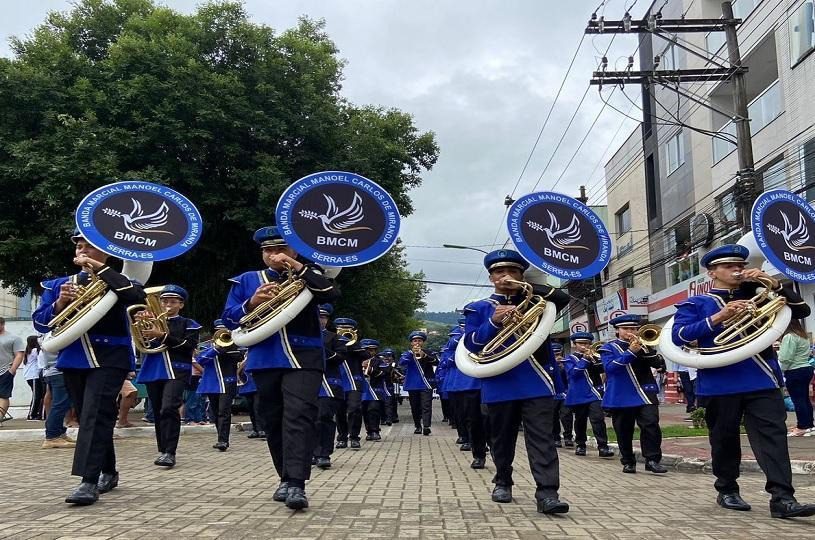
<point x="407" y="486"/>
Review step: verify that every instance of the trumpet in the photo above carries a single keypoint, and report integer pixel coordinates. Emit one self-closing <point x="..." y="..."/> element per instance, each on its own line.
<point x="593" y="352"/>
<point x="139" y="327"/>
<point x="222" y="339"/>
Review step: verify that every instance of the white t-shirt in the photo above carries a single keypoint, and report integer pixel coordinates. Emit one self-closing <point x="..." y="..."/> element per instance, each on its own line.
<point x="32" y="367"/>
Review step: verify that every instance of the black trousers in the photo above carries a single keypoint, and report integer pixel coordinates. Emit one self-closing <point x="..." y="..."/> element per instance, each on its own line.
<point x="764" y="420"/>
<point x="93" y="393"/>
<point x="252" y="404"/>
<point x="349" y="416"/>
<point x="468" y="403"/>
<point x="446" y="410"/>
<point x="221" y="405"/>
<point x="166" y="397"/>
<point x="421" y="407"/>
<point x="688" y="388"/>
<point x="372" y="411"/>
<point x="391" y="408"/>
<point x="327" y="408"/>
<point x="647" y="418"/>
<point x="590" y="412"/>
<point x="537" y="416"/>
<point x="288" y="408"/>
<point x="458" y="420"/>
<point x="37" y="394"/>
<point x="562" y="416"/>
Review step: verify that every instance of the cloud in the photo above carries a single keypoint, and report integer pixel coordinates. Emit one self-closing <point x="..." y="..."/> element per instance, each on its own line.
<point x="481" y="75"/>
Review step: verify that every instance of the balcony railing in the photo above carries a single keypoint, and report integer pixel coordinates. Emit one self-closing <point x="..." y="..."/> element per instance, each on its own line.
<point x="765" y="108"/>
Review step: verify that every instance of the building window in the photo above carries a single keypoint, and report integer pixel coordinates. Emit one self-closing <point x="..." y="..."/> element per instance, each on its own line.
<point x="684" y="268"/>
<point x="627" y="279"/>
<point x="807" y="156"/>
<point x="727" y="209"/>
<point x="675" y="152"/>
<point x="773" y="177"/>
<point x="623" y="219"/>
<point x="802" y="32"/>
<point x="743" y="8"/>
<point x="667" y="60"/>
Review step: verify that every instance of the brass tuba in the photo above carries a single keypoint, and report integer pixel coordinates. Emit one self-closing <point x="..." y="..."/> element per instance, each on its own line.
<point x="139" y="327"/>
<point x="272" y="315"/>
<point x="348" y="332"/>
<point x="529" y="324"/>
<point x="87" y="296"/>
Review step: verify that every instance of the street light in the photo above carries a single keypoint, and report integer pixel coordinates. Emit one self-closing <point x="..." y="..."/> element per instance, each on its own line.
<point x="454" y="246"/>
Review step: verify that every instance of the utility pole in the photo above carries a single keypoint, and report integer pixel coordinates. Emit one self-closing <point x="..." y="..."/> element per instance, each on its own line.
<point x="745" y="190"/>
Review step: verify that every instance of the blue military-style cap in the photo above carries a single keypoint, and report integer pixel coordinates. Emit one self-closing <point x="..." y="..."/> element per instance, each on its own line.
<point x="367" y="342"/>
<point x="219" y="323"/>
<point x="326" y="309"/>
<point x="556" y="347"/>
<point x="174" y="291"/>
<point x="582" y="336"/>
<point x="76" y="235"/>
<point x="345" y="321"/>
<point x="268" y="236"/>
<point x="417" y="334"/>
<point x="502" y="258"/>
<point x="729" y="253"/>
<point x="388" y="352"/>
<point x="624" y="321"/>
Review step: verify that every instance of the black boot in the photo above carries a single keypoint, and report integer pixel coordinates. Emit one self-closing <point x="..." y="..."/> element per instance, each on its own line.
<point x="253" y="435"/>
<point x="165" y="460"/>
<point x="466" y="447"/>
<point x="552" y="505"/>
<point x="281" y="493"/>
<point x="355" y="444"/>
<point x="297" y="499"/>
<point x="580" y="450"/>
<point x="502" y="494"/>
<point x="478" y="463"/>
<point x="732" y="501"/>
<point x="220" y="445"/>
<point x="605" y="452"/>
<point x="630" y="468"/>
<point x="790" y="509"/>
<point x="342" y="444"/>
<point x="655" y="467"/>
<point x="324" y="463"/>
<point x="418" y="430"/>
<point x="84" y="494"/>
<point x="568" y="443"/>
<point x="426" y="431"/>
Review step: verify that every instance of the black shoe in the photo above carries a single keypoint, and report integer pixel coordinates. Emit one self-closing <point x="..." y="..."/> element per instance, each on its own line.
<point x="84" y="494"/>
<point x="426" y="431"/>
<point x="342" y="444"/>
<point x="417" y="431"/>
<point x="323" y="463"/>
<point x="791" y="509"/>
<point x="388" y="423"/>
<point x="107" y="481"/>
<point x="460" y="441"/>
<point x="369" y="437"/>
<point x="297" y="499"/>
<point x="605" y="452"/>
<point x="281" y="493"/>
<point x="313" y="461"/>
<point x="377" y="437"/>
<point x="395" y="420"/>
<point x="568" y="443"/>
<point x="552" y="505"/>
<point x="733" y="501"/>
<point x="558" y="444"/>
<point x="253" y="435"/>
<point x="478" y="463"/>
<point x="630" y="468"/>
<point x="655" y="467"/>
<point x="355" y="444"/>
<point x="165" y="460"/>
<point x="502" y="494"/>
<point x="466" y="447"/>
<point x="261" y="434"/>
<point x="220" y="445"/>
<point x="580" y="451"/>
<point x="444" y="420"/>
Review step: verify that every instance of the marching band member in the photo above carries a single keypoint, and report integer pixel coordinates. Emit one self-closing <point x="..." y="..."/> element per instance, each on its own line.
<point x="631" y="394"/>
<point x="94" y="366"/>
<point x="249" y="391"/>
<point x="287" y="367"/>
<point x="562" y="414"/>
<point x="523" y="393"/>
<point x="582" y="396"/>
<point x="748" y="389"/>
<point x="371" y="399"/>
<point x="419" y="378"/>
<point x="331" y="391"/>
<point x="220" y="383"/>
<point x="349" y="417"/>
<point x="167" y="373"/>
<point x="391" y="376"/>
<point x="444" y="396"/>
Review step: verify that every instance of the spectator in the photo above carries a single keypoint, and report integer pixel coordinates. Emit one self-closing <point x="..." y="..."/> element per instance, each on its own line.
<point x="33" y="376"/>
<point x="194" y="403"/>
<point x="56" y="435"/>
<point x="12" y="353"/>
<point x="794" y="359"/>
<point x="128" y="397"/>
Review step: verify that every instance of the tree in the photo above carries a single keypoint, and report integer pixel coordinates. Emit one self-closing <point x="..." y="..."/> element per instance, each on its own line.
<point x="224" y="110"/>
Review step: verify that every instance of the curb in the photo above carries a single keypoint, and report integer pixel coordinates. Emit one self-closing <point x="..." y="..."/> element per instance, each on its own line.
<point x="696" y="465"/>
<point x="37" y="435"/>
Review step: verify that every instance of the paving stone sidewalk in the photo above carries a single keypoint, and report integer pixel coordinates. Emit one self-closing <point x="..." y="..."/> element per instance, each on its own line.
<point x="407" y="486"/>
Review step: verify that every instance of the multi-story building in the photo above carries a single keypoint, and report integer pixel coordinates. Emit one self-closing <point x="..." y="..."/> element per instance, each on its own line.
<point x="688" y="164"/>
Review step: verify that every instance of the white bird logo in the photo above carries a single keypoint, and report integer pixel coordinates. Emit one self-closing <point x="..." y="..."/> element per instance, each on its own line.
<point x="794" y="237"/>
<point x="563" y="238"/>
<point x="136" y="221"/>
<point x="336" y="222"/>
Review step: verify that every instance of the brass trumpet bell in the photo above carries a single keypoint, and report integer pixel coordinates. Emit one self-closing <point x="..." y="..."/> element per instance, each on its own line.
<point x="649" y="334"/>
<point x="222" y="338"/>
<point x="349" y="333"/>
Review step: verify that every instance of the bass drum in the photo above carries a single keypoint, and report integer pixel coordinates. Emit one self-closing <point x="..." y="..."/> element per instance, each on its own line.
<point x="536" y="338"/>
<point x="683" y="357"/>
<point x="135" y="271"/>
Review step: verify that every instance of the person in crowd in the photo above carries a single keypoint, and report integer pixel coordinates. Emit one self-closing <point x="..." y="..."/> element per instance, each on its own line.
<point x="56" y="434"/>
<point x="793" y="355"/>
<point x="12" y="354"/>
<point x="128" y="398"/>
<point x="33" y="377"/>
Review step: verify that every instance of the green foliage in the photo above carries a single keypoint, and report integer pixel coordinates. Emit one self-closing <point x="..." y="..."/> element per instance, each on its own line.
<point x="226" y="111"/>
<point x="698" y="417"/>
<point x="450" y="318"/>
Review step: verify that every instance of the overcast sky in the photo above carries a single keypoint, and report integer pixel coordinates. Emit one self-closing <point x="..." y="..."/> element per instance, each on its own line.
<point x="482" y="75"/>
